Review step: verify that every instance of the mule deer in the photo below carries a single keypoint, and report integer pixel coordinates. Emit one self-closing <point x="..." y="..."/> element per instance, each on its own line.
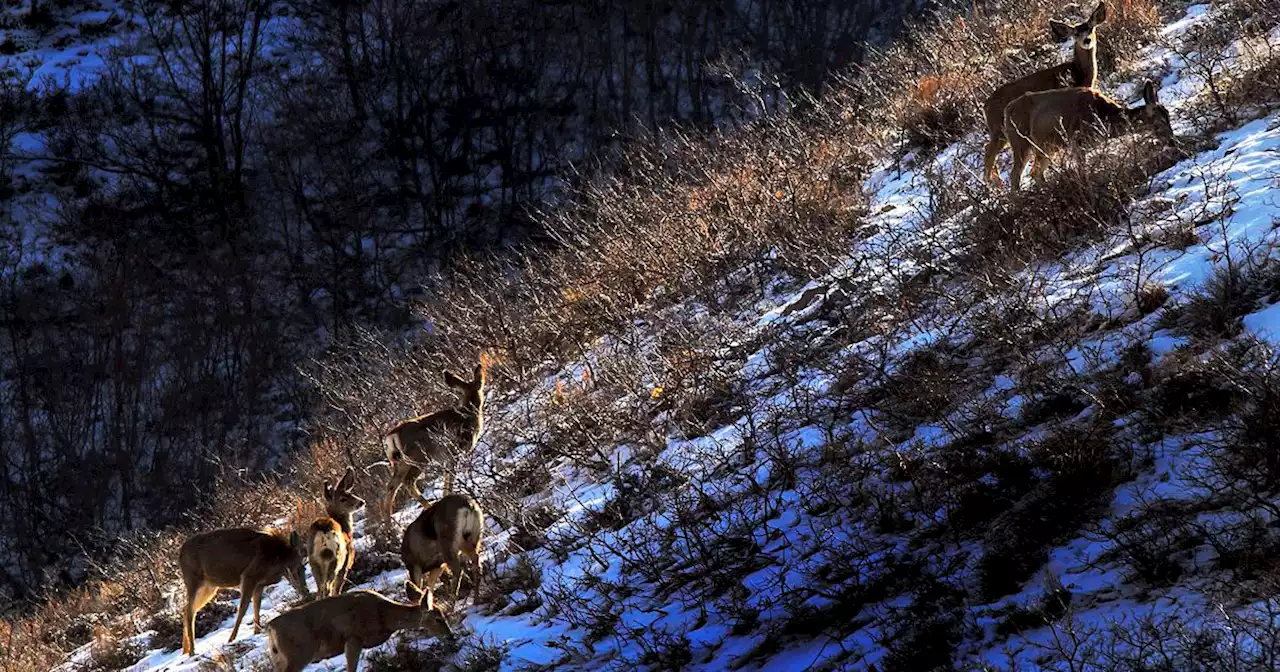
<point x="236" y="557"/>
<point x="1040" y="124"/>
<point x="348" y="623"/>
<point x="441" y="437"/>
<point x="1081" y="71"/>
<point x="332" y="552"/>
<point x="432" y="543"/>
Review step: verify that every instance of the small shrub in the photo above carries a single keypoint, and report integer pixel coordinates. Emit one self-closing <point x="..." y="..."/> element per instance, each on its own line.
<point x="940" y="111"/>
<point x="1061" y="403"/>
<point x="929" y="630"/>
<point x="1053" y="604"/>
<point x="168" y="631"/>
<point x="410" y="656"/>
<point x="1189" y="392"/>
<point x="1152" y="540"/>
<point x="1150" y="297"/>
<point x="110" y="653"/>
<point x="214" y="615"/>
<point x="1081" y="470"/>
<point x="371" y="563"/>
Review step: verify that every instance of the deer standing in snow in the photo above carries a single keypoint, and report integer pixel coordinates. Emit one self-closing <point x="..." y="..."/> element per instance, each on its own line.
<point x="440" y="437"/>
<point x="346" y="624"/>
<point x="1039" y="125"/>
<point x="236" y="557"/>
<point x="432" y="543"/>
<point x="331" y="551"/>
<point x="1080" y="71"/>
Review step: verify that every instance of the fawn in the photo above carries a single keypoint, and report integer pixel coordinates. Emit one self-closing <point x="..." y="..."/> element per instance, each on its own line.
<point x="1040" y="124"/>
<point x="432" y="543"/>
<point x="440" y="437"/>
<point x="347" y="623"/>
<point x="1081" y="70"/>
<point x="331" y="551"/>
<point x="236" y="557"/>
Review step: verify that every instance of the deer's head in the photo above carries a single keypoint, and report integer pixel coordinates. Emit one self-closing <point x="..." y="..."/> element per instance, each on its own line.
<point x="472" y="390"/>
<point x="1082" y="34"/>
<point x="339" y="498"/>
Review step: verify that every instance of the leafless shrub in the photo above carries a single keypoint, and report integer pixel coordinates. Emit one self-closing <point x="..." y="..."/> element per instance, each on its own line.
<point x="411" y="656"/>
<point x="110" y="653"/>
<point x="1190" y="391"/>
<point x="1085" y="199"/>
<point x="1082" y="465"/>
<point x="1154" y="541"/>
<point x="1234" y="290"/>
<point x="1233" y="58"/>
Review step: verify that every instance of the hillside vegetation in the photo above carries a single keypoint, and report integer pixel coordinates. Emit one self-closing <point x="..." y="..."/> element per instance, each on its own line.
<point x="811" y="395"/>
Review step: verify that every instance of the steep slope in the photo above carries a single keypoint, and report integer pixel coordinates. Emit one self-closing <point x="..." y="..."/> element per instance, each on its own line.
<point x="1024" y="432"/>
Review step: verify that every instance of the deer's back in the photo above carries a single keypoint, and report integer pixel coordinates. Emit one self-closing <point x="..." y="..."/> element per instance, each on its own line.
<point x="432" y="435"/>
<point x="421" y="545"/>
<point x="220" y="557"/>
<point x="360" y="615"/>
<point x="1041" y="80"/>
<point x="1048" y="114"/>
<point x="437" y="526"/>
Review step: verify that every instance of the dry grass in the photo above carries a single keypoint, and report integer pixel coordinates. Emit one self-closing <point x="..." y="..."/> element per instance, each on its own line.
<point x="706" y="220"/>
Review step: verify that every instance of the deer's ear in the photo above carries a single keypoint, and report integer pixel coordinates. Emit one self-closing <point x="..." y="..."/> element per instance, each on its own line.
<point x="1060" y="30"/>
<point x="328" y="491"/>
<point x="453" y="380"/>
<point x="1149" y="93"/>
<point x="1099" y="14"/>
<point x="348" y="480"/>
<point x="478" y="372"/>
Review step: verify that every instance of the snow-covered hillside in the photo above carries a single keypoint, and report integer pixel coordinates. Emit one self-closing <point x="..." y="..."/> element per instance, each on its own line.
<point x="810" y="529"/>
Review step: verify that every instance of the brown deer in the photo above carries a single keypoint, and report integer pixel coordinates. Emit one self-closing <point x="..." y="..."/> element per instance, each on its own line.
<point x="432" y="543"/>
<point x="236" y="557"/>
<point x="1039" y="125"/>
<point x="348" y="623"/>
<point x="331" y="551"/>
<point x="1081" y="70"/>
<point x="441" y="437"/>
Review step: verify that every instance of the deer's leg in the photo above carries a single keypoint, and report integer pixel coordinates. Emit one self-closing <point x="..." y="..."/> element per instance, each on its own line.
<point x="415" y="576"/>
<point x="197" y="596"/>
<point x="317" y="574"/>
<point x="1021" y="155"/>
<point x="351" y="560"/>
<point x="246" y="594"/>
<point x="393" y="486"/>
<point x="995" y="145"/>
<point x="454" y="561"/>
<point x="473" y="555"/>
<point x="353" y="655"/>
<point x="257" y="609"/>
<point x="1038" y="162"/>
<point x="432" y="577"/>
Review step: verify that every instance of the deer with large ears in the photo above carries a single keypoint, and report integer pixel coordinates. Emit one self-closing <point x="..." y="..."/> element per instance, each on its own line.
<point x="331" y="551"/>
<point x="1080" y="71"/>
<point x="1040" y="125"/>
<point x="346" y="624"/>
<point x="238" y="557"/>
<point x="441" y="437"/>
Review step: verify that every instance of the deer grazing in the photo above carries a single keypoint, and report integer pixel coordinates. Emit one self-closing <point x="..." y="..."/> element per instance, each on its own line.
<point x="236" y="557"/>
<point x="347" y="623"/>
<point x="432" y="543"/>
<point x="1039" y="125"/>
<point x="331" y="551"/>
<point x="1080" y="71"/>
<point x="441" y="437"/>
